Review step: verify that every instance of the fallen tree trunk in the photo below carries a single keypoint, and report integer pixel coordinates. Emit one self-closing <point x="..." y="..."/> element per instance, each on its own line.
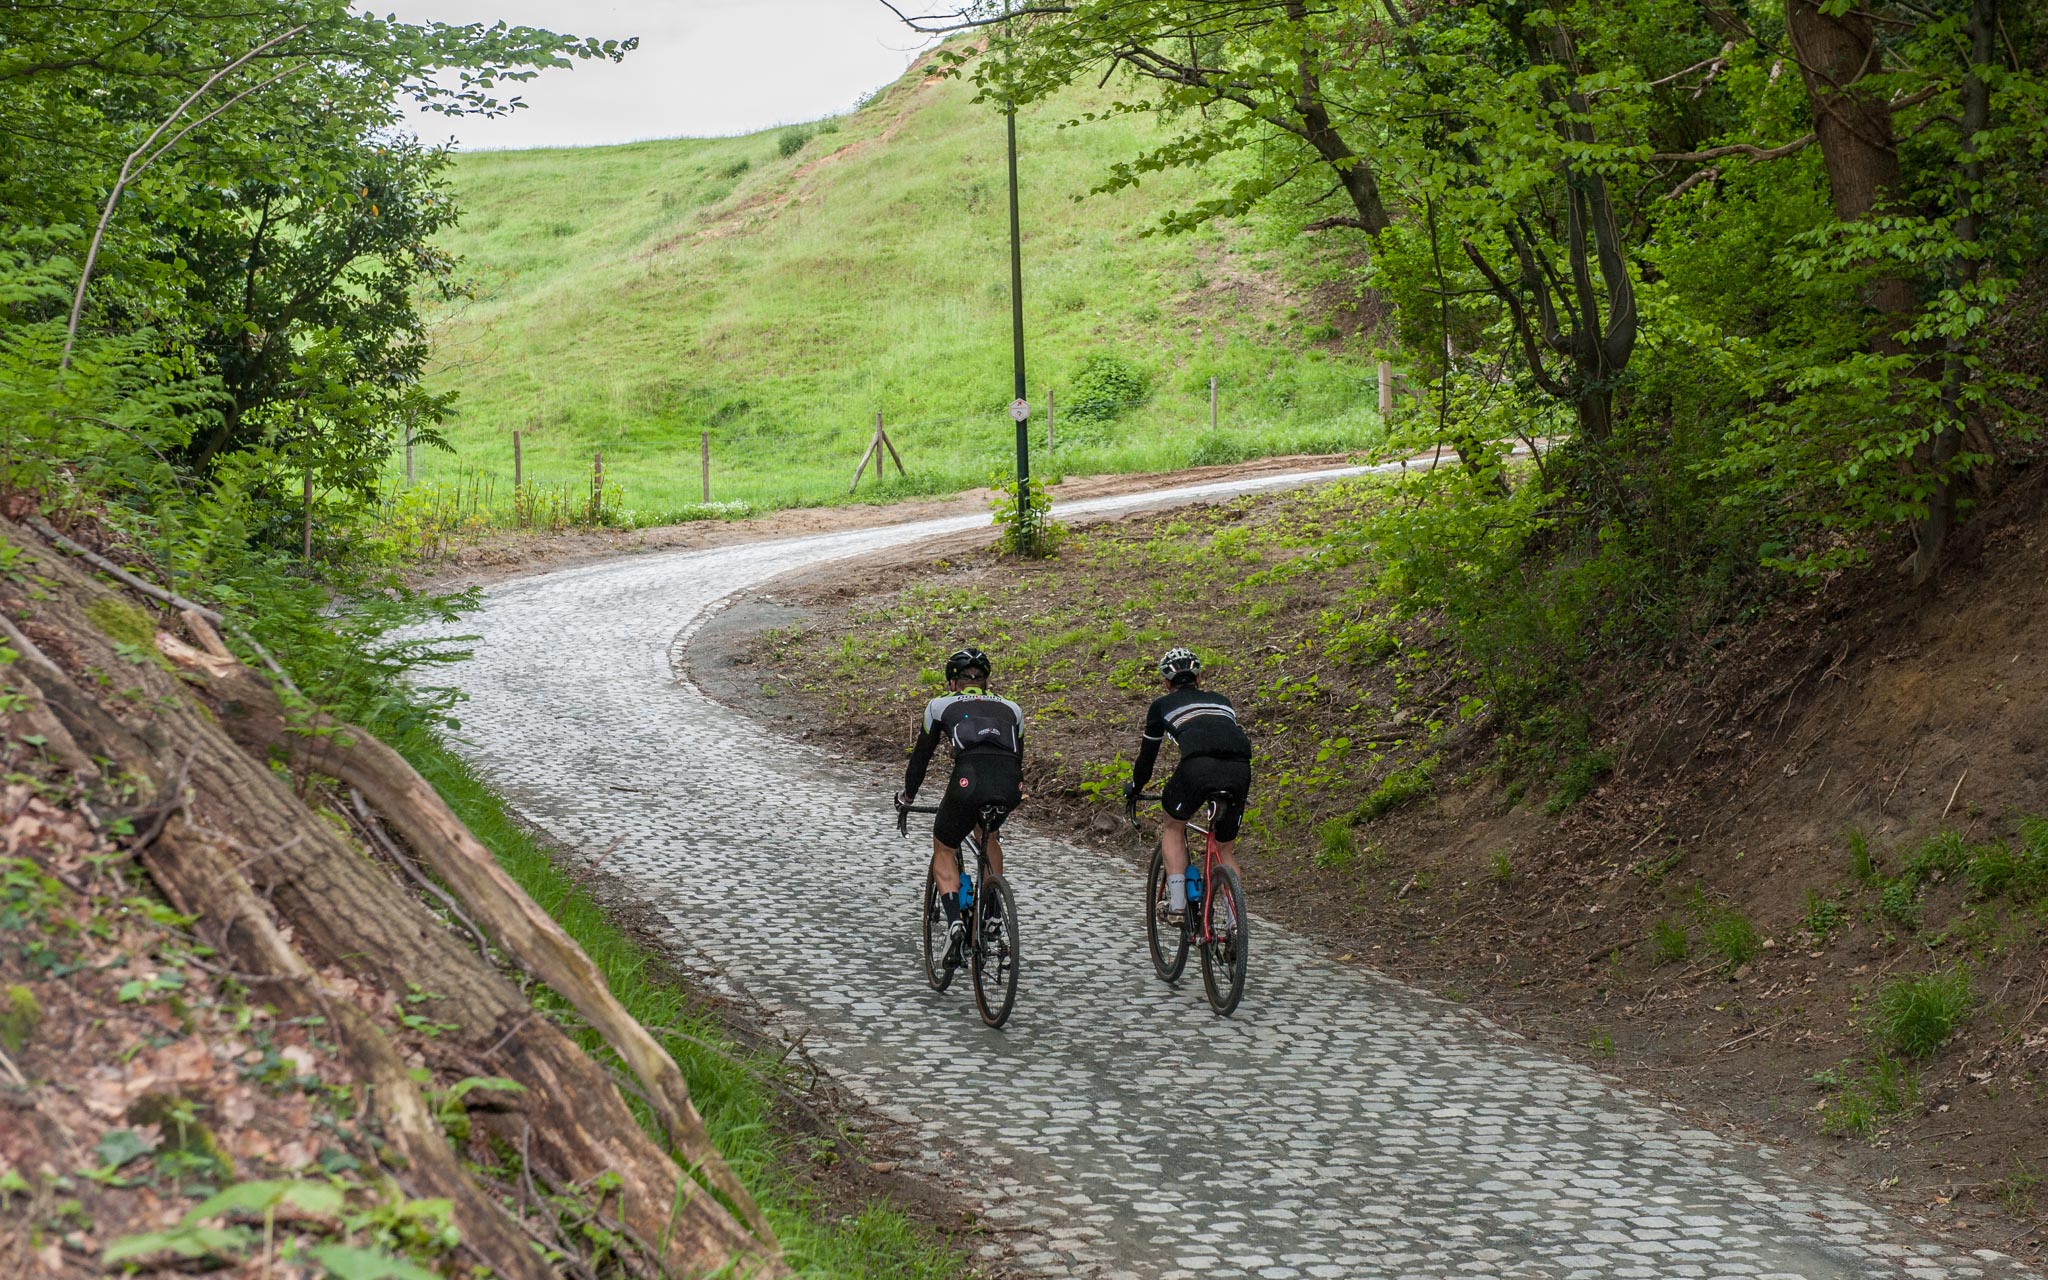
<point x="338" y="909"/>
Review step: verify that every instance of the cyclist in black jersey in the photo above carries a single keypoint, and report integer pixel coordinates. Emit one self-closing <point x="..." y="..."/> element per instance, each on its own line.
<point x="987" y="736"/>
<point x="1215" y="757"/>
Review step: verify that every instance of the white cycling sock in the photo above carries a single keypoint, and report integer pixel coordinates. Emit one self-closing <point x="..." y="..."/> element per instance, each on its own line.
<point x="1177" y="892"/>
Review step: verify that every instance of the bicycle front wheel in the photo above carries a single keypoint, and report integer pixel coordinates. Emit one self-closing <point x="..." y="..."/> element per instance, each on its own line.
<point x="936" y="971"/>
<point x="995" y="952"/>
<point x="1168" y="943"/>
<point x="1226" y="954"/>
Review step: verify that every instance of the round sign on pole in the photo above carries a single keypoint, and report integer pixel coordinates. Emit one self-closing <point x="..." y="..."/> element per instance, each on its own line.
<point x="1020" y="410"/>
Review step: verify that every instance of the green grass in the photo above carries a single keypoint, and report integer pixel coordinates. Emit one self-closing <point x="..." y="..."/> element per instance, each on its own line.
<point x="779" y="295"/>
<point x="1337" y="847"/>
<point x="1399" y="788"/>
<point x="736" y="1103"/>
<point x="1669" y="941"/>
<point x="1914" y="1017"/>
<point x="1879" y="1090"/>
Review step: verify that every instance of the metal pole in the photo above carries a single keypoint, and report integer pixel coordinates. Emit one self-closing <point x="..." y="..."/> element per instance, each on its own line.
<point x="704" y="449"/>
<point x="1017" y="336"/>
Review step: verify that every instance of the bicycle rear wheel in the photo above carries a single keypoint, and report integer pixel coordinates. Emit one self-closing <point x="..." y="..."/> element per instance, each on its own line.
<point x="995" y="952"/>
<point x="933" y="925"/>
<point x="1168" y="943"/>
<point x="1226" y="956"/>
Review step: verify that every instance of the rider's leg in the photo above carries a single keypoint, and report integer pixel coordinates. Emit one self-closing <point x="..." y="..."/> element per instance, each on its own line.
<point x="1173" y="843"/>
<point x="946" y="871"/>
<point x="992" y="844"/>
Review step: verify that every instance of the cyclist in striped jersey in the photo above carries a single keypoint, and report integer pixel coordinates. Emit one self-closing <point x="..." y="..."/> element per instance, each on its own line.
<point x="1215" y="757"/>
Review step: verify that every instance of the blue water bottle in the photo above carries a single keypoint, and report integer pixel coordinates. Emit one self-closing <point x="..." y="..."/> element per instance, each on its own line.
<point x="1194" y="883"/>
<point x="966" y="891"/>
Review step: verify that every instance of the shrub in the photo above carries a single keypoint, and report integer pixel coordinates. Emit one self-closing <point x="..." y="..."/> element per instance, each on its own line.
<point x="1861" y="864"/>
<point x="1916" y="1016"/>
<point x="1586" y="771"/>
<point x="736" y="168"/>
<point x="1337" y="848"/>
<point x="1670" y="941"/>
<point x="791" y="141"/>
<point x="1037" y="535"/>
<point x="1398" y="788"/>
<point x="1105" y="388"/>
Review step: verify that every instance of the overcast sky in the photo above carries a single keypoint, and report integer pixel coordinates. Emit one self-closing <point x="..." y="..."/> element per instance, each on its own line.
<point x="703" y="67"/>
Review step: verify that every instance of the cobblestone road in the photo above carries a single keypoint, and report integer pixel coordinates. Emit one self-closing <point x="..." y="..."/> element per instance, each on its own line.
<point x="1338" y="1126"/>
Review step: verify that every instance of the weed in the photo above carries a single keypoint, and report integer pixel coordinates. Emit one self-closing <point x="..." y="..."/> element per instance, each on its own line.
<point x="1587" y="770"/>
<point x="1503" y="868"/>
<point x="2018" y="873"/>
<point x="1883" y="1088"/>
<point x="1670" y="941"/>
<point x="1337" y="848"/>
<point x="1914" y="1017"/>
<point x="2016" y="1192"/>
<point x="1899" y="902"/>
<point x="1861" y="864"/>
<point x="1938" y="857"/>
<point x="791" y="141"/>
<point x="1601" y="1042"/>
<point x="1398" y="788"/>
<point x="1824" y="915"/>
<point x="1729" y="933"/>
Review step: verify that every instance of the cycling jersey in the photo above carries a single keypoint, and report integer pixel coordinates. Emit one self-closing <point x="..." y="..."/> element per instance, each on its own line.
<point x="973" y="722"/>
<point x="1202" y="724"/>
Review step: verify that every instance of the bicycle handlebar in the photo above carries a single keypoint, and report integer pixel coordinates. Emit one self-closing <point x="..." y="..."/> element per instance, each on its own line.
<point x="903" y="812"/>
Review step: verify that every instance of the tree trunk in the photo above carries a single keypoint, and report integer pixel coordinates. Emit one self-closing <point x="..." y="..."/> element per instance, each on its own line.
<point x="1854" y="129"/>
<point x="1931" y="537"/>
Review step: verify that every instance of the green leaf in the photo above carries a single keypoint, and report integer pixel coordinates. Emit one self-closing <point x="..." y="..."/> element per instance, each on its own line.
<point x="348" y="1262"/>
<point x="122" y="1145"/>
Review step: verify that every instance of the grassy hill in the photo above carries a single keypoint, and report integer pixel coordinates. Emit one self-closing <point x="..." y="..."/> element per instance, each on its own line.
<point x="780" y="289"/>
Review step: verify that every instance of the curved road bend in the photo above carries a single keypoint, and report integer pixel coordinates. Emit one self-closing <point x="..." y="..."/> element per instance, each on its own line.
<point x="1340" y="1125"/>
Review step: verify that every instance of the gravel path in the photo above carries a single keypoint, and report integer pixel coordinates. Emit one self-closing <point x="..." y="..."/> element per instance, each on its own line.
<point x="1339" y="1125"/>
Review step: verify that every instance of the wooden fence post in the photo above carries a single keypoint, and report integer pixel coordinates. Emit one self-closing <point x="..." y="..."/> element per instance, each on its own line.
<point x="1048" y="420"/>
<point x="1212" y="406"/>
<point x="408" y="455"/>
<point x="597" y="486"/>
<point x="518" y="465"/>
<point x="704" y="451"/>
<point x="1386" y="393"/>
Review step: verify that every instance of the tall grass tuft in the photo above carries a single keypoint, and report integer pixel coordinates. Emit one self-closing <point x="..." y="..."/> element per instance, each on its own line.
<point x="1914" y="1017"/>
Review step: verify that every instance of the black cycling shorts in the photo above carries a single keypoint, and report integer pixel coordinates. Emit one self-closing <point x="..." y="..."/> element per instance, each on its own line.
<point x="979" y="778"/>
<point x="1202" y="776"/>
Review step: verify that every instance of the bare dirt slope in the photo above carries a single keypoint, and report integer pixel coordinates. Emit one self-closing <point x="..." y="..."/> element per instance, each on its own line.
<point x="1700" y="923"/>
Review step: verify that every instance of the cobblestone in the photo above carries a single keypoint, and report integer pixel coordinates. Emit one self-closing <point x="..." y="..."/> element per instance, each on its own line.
<point x="1340" y="1125"/>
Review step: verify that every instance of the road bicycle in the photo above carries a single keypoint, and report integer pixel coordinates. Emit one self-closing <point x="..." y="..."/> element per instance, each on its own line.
<point x="991" y="942"/>
<point x="1214" y="921"/>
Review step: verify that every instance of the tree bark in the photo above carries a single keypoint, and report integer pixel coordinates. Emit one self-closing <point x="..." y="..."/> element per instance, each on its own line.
<point x="1931" y="537"/>
<point x="1853" y="125"/>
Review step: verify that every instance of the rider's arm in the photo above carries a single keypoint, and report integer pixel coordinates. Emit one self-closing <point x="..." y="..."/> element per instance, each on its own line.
<point x="921" y="755"/>
<point x="1148" y="748"/>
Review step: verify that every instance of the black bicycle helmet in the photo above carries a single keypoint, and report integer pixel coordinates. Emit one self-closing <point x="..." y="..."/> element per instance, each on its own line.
<point x="966" y="660"/>
<point x="1179" y="666"/>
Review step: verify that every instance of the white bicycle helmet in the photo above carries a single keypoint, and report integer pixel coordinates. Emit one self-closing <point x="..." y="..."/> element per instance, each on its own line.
<point x="1178" y="666"/>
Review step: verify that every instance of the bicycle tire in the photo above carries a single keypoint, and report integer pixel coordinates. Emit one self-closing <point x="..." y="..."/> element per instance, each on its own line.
<point x="995" y="958"/>
<point x="1169" y="970"/>
<point x="1227" y="956"/>
<point x="934" y="930"/>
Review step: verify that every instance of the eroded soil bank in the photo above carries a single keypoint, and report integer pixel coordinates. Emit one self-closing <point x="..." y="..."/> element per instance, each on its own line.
<point x="1779" y="869"/>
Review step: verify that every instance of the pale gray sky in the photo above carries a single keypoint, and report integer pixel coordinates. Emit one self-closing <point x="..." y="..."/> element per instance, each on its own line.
<point x="703" y="67"/>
